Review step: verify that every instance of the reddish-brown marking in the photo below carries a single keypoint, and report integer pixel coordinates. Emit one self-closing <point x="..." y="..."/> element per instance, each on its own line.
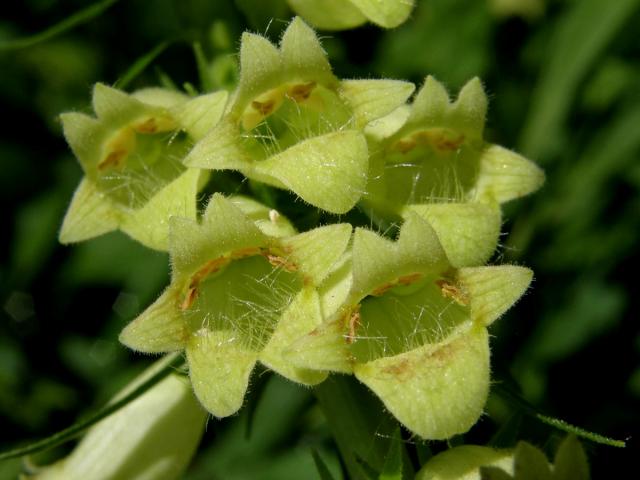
<point x="280" y="262"/>
<point x="353" y="323"/>
<point x="409" y="279"/>
<point x="405" y="145"/>
<point x="301" y="92"/>
<point x="150" y="125"/>
<point x="453" y="291"/>
<point x="114" y="160"/>
<point x="265" y="108"/>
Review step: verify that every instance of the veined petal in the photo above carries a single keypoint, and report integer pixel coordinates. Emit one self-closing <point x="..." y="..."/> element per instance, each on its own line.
<point x="372" y="99"/>
<point x="115" y="106"/>
<point x="436" y="391"/>
<point x="200" y="114"/>
<point x="329" y="171"/>
<point x="468" y="232"/>
<point x="383" y="13"/>
<point x="219" y="368"/>
<point x="493" y="290"/>
<point x="377" y="261"/>
<point x="260" y="69"/>
<point x="301" y="317"/>
<point x="90" y="214"/>
<point x="432" y="102"/>
<point x="160" y="97"/>
<point x="505" y="175"/>
<point x="303" y="56"/>
<point x="85" y="135"/>
<point x="469" y="111"/>
<point x="220" y="149"/>
<point x="224" y="229"/>
<point x="315" y="252"/>
<point x="335" y="288"/>
<point x="160" y="328"/>
<point x="330" y="14"/>
<point x="150" y="224"/>
<point x="323" y="349"/>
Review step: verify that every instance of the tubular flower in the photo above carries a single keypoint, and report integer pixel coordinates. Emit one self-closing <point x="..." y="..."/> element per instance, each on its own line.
<point x="292" y="124"/>
<point x="413" y="328"/>
<point x="131" y="155"/>
<point x="431" y="159"/>
<point x="132" y="442"/>
<point x="242" y="290"/>
<point x="345" y="14"/>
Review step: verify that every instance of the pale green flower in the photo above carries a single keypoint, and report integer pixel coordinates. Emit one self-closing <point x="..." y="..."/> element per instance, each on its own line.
<point x="131" y="155"/>
<point x="293" y="125"/>
<point x="431" y="159"/>
<point x="413" y="328"/>
<point x="241" y="291"/>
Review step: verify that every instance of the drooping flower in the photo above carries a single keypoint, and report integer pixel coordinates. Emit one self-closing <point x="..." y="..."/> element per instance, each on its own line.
<point x="413" y="328"/>
<point x="345" y="14"/>
<point x="293" y="125"/>
<point x="132" y="442"/>
<point x="131" y="155"/>
<point x="431" y="159"/>
<point x="243" y="287"/>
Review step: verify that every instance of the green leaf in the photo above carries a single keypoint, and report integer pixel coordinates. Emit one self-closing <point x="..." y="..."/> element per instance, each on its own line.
<point x="469" y="232"/>
<point x="219" y="368"/>
<point x="321" y="467"/>
<point x="529" y="463"/>
<point x="329" y="171"/>
<point x="437" y="390"/>
<point x="372" y="99"/>
<point x="493" y="290"/>
<point x="583" y="33"/>
<point x="570" y="461"/>
<point x="78" y="18"/>
<point x="359" y="426"/>
<point x="160" y="328"/>
<point x="90" y="214"/>
<point x="393" y="464"/>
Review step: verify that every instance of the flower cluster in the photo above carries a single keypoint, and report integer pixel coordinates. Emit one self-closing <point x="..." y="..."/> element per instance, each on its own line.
<point x="407" y="315"/>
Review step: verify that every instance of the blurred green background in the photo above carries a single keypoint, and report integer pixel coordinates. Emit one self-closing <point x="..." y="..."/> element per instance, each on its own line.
<point x="563" y="79"/>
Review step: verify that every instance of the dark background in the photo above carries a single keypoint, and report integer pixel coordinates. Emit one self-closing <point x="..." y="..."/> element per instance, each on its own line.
<point x="563" y="79"/>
